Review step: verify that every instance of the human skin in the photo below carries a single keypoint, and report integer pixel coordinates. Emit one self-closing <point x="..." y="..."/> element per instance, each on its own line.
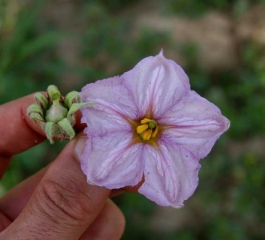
<point x="56" y="202"/>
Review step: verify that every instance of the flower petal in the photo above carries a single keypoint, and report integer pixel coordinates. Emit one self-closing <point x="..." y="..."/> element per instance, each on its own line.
<point x="194" y="123"/>
<point x="102" y="121"/>
<point x="111" y="93"/>
<point x="157" y="84"/>
<point x="111" y="161"/>
<point x="171" y="174"/>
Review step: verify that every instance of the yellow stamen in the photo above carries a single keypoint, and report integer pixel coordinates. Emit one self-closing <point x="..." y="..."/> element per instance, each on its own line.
<point x="147" y="135"/>
<point x="140" y="129"/>
<point x="147" y="129"/>
<point x="145" y="120"/>
<point x="154" y="133"/>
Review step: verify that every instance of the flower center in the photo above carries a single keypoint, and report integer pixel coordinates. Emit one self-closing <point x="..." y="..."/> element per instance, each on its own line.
<point x="147" y="129"/>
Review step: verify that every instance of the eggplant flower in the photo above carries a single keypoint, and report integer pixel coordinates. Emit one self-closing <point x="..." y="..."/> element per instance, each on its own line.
<point x="149" y="125"/>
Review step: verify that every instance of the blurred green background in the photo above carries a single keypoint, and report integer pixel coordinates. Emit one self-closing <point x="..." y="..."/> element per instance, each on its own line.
<point x="219" y="43"/>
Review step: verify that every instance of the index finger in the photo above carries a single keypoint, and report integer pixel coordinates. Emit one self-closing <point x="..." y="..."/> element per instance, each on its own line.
<point x="17" y="131"/>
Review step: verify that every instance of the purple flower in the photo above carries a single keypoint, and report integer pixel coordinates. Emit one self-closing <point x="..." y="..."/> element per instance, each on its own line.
<point x="149" y="123"/>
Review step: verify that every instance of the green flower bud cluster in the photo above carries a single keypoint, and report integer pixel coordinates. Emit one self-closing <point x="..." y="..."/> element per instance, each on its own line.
<point x="55" y="114"/>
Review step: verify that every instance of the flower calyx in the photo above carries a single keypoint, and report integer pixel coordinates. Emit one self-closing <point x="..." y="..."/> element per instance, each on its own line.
<point x="55" y="114"/>
<point x="147" y="129"/>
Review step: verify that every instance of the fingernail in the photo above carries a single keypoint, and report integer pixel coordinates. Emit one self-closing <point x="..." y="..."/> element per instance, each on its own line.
<point x="80" y="146"/>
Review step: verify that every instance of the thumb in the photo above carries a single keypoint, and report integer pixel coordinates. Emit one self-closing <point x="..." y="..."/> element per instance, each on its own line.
<point x="63" y="205"/>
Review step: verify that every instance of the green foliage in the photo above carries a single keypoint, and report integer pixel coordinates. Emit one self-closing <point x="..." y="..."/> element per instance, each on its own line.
<point x="23" y="53"/>
<point x="195" y="8"/>
<point x="115" y="5"/>
<point x="108" y="46"/>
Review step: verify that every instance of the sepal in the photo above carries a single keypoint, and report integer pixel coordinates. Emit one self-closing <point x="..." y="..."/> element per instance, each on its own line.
<point x="56" y="114"/>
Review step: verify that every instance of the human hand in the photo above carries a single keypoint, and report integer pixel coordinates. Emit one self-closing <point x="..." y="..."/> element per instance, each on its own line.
<point x="55" y="203"/>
